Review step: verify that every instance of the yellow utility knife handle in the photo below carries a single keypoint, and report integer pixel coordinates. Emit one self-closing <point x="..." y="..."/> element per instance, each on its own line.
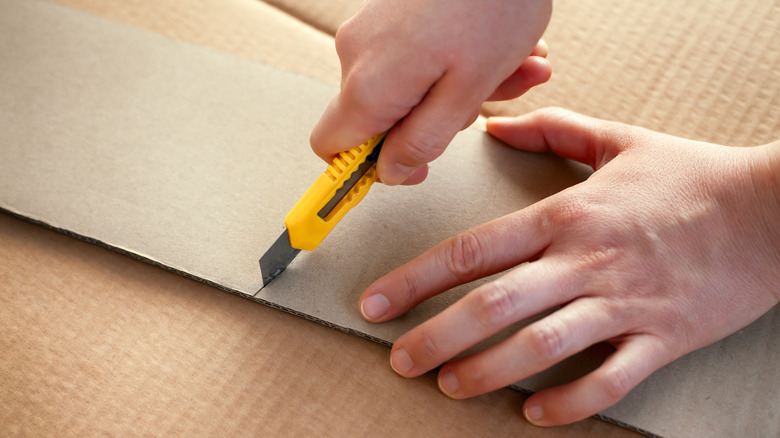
<point x="305" y="226"/>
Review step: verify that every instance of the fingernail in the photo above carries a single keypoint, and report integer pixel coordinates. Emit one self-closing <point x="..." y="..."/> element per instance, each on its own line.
<point x="395" y="174"/>
<point x="374" y="306"/>
<point x="534" y="413"/>
<point x="448" y="383"/>
<point x="400" y="361"/>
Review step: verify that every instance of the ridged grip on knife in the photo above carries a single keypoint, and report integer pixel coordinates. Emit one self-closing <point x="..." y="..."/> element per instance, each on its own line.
<point x="312" y="218"/>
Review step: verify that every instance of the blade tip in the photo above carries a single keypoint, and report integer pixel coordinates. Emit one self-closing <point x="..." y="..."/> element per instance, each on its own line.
<point x="277" y="258"/>
<point x="270" y="277"/>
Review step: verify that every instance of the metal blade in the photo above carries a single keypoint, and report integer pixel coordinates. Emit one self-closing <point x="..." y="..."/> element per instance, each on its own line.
<point x="277" y="258"/>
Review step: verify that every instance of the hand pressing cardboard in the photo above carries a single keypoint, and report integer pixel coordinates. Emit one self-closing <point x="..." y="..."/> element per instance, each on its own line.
<point x="671" y="245"/>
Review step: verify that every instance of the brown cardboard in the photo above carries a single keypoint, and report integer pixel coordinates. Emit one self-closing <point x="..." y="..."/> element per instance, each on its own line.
<point x="251" y="29"/>
<point x="703" y="70"/>
<point x="98" y="344"/>
<point x="95" y="343"/>
<point x="493" y="158"/>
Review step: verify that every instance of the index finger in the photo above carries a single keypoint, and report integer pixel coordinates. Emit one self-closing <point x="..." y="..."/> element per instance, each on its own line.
<point x="488" y="249"/>
<point x="346" y="123"/>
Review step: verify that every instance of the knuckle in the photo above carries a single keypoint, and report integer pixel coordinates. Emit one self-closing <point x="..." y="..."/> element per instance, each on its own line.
<point x="547" y="341"/>
<point x="568" y="210"/>
<point x="363" y="100"/>
<point x="344" y="38"/>
<point x="422" y="147"/>
<point x="495" y="304"/>
<point x="617" y="383"/>
<point x="675" y="333"/>
<point x="599" y="258"/>
<point x="412" y="290"/>
<point x="463" y="256"/>
<point x="555" y="112"/>
<point x="430" y="348"/>
<point x="358" y="92"/>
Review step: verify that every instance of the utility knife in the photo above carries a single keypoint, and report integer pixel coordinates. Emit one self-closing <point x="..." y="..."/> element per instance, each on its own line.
<point x="342" y="186"/>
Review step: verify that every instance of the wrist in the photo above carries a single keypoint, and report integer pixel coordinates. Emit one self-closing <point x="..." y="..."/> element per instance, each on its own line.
<point x="771" y="174"/>
<point x="767" y="186"/>
<point x="773" y="157"/>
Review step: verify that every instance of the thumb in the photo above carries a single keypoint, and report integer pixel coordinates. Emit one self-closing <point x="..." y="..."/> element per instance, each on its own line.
<point x="571" y="135"/>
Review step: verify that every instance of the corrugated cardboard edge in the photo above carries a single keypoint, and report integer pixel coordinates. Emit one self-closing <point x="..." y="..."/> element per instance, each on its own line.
<point x="185" y="274"/>
<point x="156" y="263"/>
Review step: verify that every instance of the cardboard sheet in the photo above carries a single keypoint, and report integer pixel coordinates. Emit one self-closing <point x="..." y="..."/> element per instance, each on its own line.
<point x="97" y="344"/>
<point x="195" y="159"/>
<point x="248" y="28"/>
